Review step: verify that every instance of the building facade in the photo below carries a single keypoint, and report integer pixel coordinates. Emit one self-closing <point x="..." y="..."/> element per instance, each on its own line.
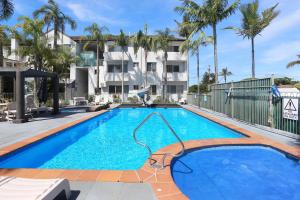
<point x="138" y="73"/>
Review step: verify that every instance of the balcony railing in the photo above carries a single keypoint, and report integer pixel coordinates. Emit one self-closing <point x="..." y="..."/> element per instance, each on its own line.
<point x="116" y="77"/>
<point x="88" y="59"/>
<point x="177" y="76"/>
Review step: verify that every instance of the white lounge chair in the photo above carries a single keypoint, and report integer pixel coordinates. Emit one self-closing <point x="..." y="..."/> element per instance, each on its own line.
<point x="13" y="188"/>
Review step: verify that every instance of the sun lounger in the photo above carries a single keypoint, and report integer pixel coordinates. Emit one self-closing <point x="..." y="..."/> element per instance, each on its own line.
<point x="13" y="188"/>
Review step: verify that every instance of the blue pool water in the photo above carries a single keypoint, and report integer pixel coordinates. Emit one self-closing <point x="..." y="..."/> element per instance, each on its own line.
<point x="106" y="142"/>
<point x="235" y="173"/>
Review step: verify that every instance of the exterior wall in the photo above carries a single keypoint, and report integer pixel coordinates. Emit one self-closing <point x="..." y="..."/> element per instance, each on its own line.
<point x="137" y="73"/>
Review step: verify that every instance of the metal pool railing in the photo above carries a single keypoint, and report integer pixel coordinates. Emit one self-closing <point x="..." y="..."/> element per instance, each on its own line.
<point x="153" y="163"/>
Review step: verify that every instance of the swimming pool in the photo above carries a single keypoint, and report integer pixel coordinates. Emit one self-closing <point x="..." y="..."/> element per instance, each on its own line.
<point x="106" y="142"/>
<point x="237" y="172"/>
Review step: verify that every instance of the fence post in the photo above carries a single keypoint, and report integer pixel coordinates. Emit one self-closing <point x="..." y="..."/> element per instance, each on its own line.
<point x="271" y="108"/>
<point x="231" y="100"/>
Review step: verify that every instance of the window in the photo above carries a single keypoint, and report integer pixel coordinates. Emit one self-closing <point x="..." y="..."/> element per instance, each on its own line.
<point x="111" y="48"/>
<point x="171" y="89"/>
<point x="173" y="49"/>
<point x="117" y="89"/>
<point x="153" y="89"/>
<point x="117" y="68"/>
<point x="136" y="87"/>
<point x="135" y="64"/>
<point x="172" y="68"/>
<point x="175" y="89"/>
<point x="49" y="46"/>
<point x="151" y="67"/>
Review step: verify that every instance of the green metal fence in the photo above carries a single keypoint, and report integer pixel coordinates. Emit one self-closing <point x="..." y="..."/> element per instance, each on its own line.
<point x="250" y="101"/>
<point x="289" y="125"/>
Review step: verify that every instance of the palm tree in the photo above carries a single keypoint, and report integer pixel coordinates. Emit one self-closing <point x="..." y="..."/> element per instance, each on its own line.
<point x="7" y="10"/>
<point x="36" y="47"/>
<point x="95" y="33"/>
<point x="137" y="45"/>
<point x="64" y="58"/>
<point x="293" y="63"/>
<point x="161" y="42"/>
<point x="185" y="31"/>
<point x="254" y="23"/>
<point x="122" y="41"/>
<point x="53" y="16"/>
<point x="144" y="41"/>
<point x="213" y="13"/>
<point x="225" y="73"/>
<point x="194" y="46"/>
<point x="210" y="13"/>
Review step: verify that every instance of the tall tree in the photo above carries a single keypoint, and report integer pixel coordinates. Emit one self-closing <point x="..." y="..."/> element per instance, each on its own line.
<point x="253" y="23"/>
<point x="144" y="42"/>
<point x="225" y="73"/>
<point x="36" y="47"/>
<point x="122" y="41"/>
<point x="293" y="63"/>
<point x="185" y="30"/>
<point x="6" y="11"/>
<point x="210" y="13"/>
<point x="96" y="33"/>
<point x="53" y="16"/>
<point x="194" y="46"/>
<point x="162" y="42"/>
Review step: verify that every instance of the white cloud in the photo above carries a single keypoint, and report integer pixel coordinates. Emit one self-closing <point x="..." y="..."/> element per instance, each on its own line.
<point x="280" y="25"/>
<point x="281" y="52"/>
<point x="84" y="13"/>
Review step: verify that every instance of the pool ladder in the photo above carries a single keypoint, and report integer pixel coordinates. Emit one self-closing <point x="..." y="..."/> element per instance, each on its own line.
<point x="154" y="163"/>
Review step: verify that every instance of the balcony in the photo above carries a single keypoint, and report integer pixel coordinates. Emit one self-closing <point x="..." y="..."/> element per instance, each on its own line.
<point x="115" y="56"/>
<point x="116" y="77"/>
<point x="177" y="76"/>
<point x="176" y="56"/>
<point x="88" y="59"/>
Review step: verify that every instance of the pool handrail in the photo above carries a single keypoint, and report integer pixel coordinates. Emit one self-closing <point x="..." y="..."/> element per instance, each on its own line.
<point x="165" y="155"/>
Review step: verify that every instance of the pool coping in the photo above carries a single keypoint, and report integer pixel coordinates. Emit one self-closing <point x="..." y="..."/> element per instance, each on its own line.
<point x="161" y="180"/>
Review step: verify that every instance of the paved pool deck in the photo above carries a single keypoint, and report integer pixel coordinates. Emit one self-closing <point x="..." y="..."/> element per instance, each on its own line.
<point x="161" y="181"/>
<point x="11" y="133"/>
<point x="110" y="191"/>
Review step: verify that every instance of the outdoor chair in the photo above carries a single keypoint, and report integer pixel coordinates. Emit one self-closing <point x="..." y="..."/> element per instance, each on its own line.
<point x="31" y="106"/>
<point x="11" y="111"/>
<point x="38" y="189"/>
<point x="80" y="101"/>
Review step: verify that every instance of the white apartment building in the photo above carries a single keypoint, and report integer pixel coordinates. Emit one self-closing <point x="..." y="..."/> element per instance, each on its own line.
<point x="138" y="73"/>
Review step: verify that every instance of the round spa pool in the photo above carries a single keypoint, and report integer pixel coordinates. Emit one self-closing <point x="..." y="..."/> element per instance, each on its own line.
<point x="237" y="172"/>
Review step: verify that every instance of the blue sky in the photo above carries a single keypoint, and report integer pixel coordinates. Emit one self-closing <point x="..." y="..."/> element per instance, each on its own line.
<point x="278" y="44"/>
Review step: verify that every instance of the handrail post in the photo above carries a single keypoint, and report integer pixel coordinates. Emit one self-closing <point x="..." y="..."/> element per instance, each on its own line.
<point x="149" y="149"/>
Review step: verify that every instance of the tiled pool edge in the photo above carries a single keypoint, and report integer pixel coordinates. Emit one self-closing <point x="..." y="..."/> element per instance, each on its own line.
<point x="162" y="184"/>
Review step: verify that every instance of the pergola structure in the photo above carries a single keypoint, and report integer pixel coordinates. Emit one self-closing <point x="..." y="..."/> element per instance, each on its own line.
<point x="20" y="74"/>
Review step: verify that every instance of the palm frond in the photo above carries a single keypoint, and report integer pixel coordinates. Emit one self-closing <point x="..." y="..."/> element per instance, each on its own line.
<point x="293" y="63"/>
<point x="7" y="9"/>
